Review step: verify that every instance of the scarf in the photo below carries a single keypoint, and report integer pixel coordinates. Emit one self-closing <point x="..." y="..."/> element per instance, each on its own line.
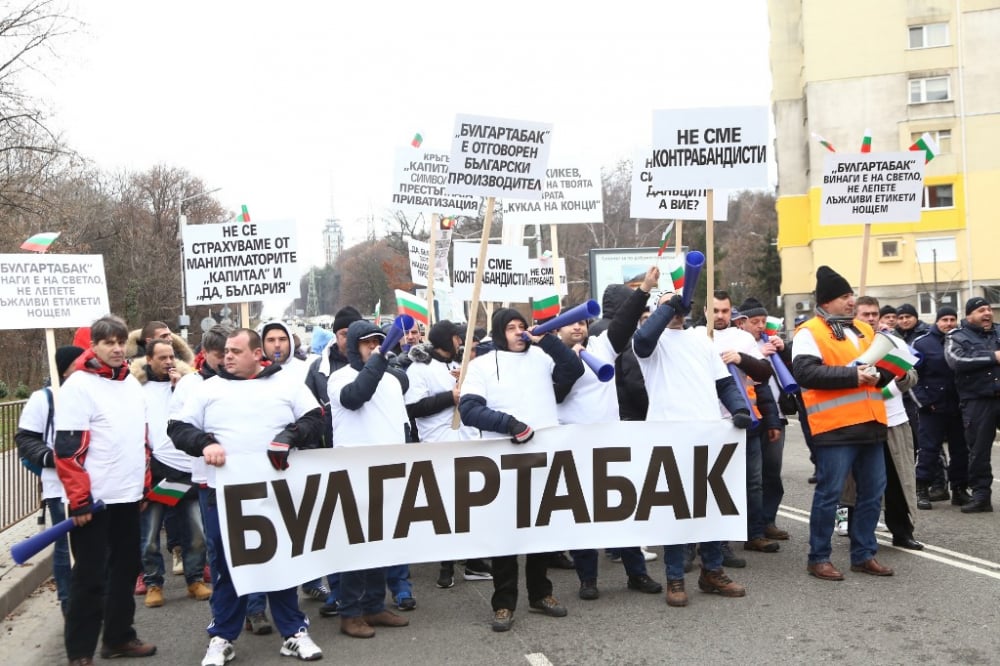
<point x="837" y="324"/>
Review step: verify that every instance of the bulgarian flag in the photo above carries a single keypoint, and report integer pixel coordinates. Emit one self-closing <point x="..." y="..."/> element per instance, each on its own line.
<point x="773" y="325"/>
<point x="168" y="492"/>
<point x="823" y="142"/>
<point x="890" y="391"/>
<point x="677" y="275"/>
<point x="665" y="240"/>
<point x="926" y="144"/>
<point x="243" y="215"/>
<point x="418" y="139"/>
<point x="866" y="143"/>
<point x="40" y="242"/>
<point x="378" y="312"/>
<point x="545" y="308"/>
<point x="897" y="361"/>
<point x="408" y="304"/>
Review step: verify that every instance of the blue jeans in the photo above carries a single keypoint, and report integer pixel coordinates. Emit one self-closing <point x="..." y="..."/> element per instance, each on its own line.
<point x="187" y="512"/>
<point x="362" y="592"/>
<point x="228" y="609"/>
<point x="397" y="578"/>
<point x="673" y="558"/>
<point x="586" y="562"/>
<point x="61" y="568"/>
<point x="755" y="486"/>
<point x="773" y="490"/>
<point x="867" y="463"/>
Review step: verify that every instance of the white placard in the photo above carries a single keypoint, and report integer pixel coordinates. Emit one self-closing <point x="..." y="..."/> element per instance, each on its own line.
<point x="628" y="266"/>
<point x="419" y="262"/>
<point x="419" y="185"/>
<point x="52" y="290"/>
<point x="573" y="195"/>
<point x="541" y="272"/>
<point x="872" y="187"/>
<point x="683" y="482"/>
<point x="247" y="261"/>
<point x="714" y="148"/>
<point x="507" y="276"/>
<point x="652" y="200"/>
<point x="497" y="157"/>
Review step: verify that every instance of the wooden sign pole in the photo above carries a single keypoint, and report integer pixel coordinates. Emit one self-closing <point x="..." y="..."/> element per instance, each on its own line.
<point x="865" y="241"/>
<point x="555" y="260"/>
<point x="432" y="259"/>
<point x="709" y="258"/>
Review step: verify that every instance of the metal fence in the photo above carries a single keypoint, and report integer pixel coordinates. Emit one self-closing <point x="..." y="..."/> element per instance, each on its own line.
<point x="21" y="490"/>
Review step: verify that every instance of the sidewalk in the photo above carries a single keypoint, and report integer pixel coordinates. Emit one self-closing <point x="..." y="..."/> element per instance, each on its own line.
<point x="17" y="582"/>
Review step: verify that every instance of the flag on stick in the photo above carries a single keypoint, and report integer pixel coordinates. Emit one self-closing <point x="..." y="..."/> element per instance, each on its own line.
<point x="243" y="215"/>
<point x="665" y="240"/>
<point x="168" y="492"/>
<point x="545" y="308"/>
<point x="378" y="312"/>
<point x="677" y="275"/>
<point x="926" y="144"/>
<point x="773" y="325"/>
<point x="823" y="142"/>
<point x="40" y="242"/>
<point x="898" y="361"/>
<point x="408" y="304"/>
<point x="866" y="143"/>
<point x="418" y="139"/>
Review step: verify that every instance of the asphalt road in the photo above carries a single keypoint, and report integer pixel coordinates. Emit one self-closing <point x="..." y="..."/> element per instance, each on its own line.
<point x="940" y="608"/>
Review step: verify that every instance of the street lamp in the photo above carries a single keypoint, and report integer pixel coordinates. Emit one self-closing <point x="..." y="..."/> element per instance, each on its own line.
<point x="183" y="320"/>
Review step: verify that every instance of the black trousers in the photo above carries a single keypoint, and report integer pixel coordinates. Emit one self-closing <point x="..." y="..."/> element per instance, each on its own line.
<point x="980" y="416"/>
<point x="505" y="579"/>
<point x="107" y="562"/>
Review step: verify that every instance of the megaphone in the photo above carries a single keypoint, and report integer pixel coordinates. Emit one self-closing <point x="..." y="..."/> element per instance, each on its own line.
<point x="881" y="345"/>
<point x="583" y="311"/>
<point x="604" y="371"/>
<point x="693" y="263"/>
<point x="400" y="326"/>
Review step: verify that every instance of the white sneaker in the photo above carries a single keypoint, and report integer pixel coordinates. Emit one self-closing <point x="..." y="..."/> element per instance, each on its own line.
<point x="648" y="554"/>
<point x="219" y="652"/>
<point x="178" y="568"/>
<point x="301" y="645"/>
<point x="840" y="525"/>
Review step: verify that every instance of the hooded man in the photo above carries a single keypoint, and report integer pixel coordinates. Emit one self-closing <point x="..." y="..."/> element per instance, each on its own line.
<point x="279" y="347"/>
<point x="332" y="358"/>
<point x="513" y="382"/>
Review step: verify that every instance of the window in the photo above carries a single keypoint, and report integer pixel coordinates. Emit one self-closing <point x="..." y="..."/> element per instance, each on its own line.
<point x="889" y="250"/>
<point x="941" y="137"/>
<point x="931" y="89"/>
<point x="929" y="35"/>
<point x="927" y="307"/>
<point x="930" y="250"/>
<point x="992" y="294"/>
<point x="938" y="196"/>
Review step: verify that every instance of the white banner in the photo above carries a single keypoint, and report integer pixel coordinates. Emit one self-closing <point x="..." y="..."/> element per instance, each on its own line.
<point x="542" y="273"/>
<point x="652" y="199"/>
<point x="420" y="258"/>
<point x="577" y="486"/>
<point x="248" y="261"/>
<point x="419" y="181"/>
<point x="573" y="195"/>
<point x="507" y="276"/>
<point x="872" y="187"/>
<point x="497" y="157"/>
<point x="52" y="290"/>
<point x="723" y="147"/>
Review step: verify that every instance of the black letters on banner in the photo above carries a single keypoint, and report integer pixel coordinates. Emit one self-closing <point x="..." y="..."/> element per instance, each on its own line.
<point x="240" y="524"/>
<point x="465" y="499"/>
<point x="422" y="474"/>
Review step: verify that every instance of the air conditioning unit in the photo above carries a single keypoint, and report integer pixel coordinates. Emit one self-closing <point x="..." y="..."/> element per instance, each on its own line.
<point x="803" y="306"/>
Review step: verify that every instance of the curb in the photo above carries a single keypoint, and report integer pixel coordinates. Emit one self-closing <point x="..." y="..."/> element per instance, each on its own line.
<point x="18" y="581"/>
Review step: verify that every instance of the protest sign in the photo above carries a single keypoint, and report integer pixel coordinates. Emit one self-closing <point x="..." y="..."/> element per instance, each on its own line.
<point x="628" y="267"/>
<point x="722" y="147"/>
<point x="419" y="252"/>
<point x="419" y="185"/>
<point x="579" y="486"/>
<point x="542" y="272"/>
<point x="506" y="275"/>
<point x="497" y="157"/>
<point x="52" y="290"/>
<point x="872" y="187"/>
<point x="655" y="200"/>
<point x="251" y="261"/>
<point x="572" y="195"/>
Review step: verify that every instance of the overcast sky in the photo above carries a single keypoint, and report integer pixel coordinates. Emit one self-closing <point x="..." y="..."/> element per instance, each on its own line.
<point x="295" y="109"/>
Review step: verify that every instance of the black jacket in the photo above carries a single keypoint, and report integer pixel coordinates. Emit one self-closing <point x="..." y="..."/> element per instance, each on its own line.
<point x="935" y="389"/>
<point x="969" y="351"/>
<point x="317" y="381"/>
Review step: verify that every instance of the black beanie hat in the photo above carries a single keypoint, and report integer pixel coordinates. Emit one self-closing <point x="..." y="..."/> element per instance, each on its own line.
<point x="946" y="311"/>
<point x="830" y="285"/>
<point x="751" y="307"/>
<point x="344" y="317"/>
<point x="906" y="309"/>
<point x="886" y="310"/>
<point x="498" y="327"/>
<point x="65" y="357"/>
<point x="440" y="335"/>
<point x="974" y="304"/>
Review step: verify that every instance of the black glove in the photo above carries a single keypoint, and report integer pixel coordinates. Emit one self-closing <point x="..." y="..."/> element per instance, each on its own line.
<point x="741" y="419"/>
<point x="49" y="460"/>
<point x="677" y="303"/>
<point x="519" y="432"/>
<point x="277" y="449"/>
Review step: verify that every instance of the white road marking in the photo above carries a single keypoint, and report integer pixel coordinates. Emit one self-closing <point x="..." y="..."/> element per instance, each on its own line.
<point x="538" y="659"/>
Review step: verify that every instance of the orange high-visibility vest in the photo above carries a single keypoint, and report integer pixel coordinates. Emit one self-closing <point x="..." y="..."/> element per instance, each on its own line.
<point x="832" y="409"/>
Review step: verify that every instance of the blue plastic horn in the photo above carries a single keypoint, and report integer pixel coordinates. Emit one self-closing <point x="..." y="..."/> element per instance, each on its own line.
<point x="693" y="263"/>
<point x="604" y="371"/>
<point x="400" y="326"/>
<point x="587" y="310"/>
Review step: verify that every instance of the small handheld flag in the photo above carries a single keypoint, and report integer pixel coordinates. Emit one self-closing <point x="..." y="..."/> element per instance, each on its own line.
<point x="545" y="308"/>
<point x="866" y="142"/>
<point x="926" y="144"/>
<point x="243" y="215"/>
<point x="408" y="304"/>
<point x="823" y="142"/>
<point x="677" y="276"/>
<point x="40" y="242"/>
<point x="665" y="240"/>
<point x="418" y="139"/>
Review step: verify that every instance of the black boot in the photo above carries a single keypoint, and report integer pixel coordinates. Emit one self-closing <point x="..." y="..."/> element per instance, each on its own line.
<point x="923" y="496"/>
<point x="938" y="494"/>
<point x="960" y="496"/>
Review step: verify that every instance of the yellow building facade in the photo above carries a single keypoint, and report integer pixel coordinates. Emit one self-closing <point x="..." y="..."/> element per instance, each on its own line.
<point x="899" y="68"/>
